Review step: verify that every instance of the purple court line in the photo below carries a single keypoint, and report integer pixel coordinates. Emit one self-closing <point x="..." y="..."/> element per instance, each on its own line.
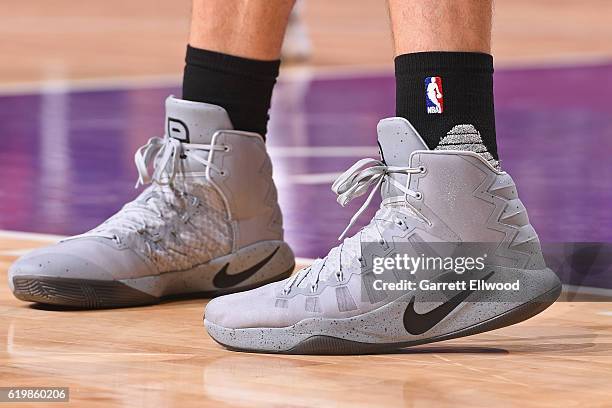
<point x="67" y="158"/>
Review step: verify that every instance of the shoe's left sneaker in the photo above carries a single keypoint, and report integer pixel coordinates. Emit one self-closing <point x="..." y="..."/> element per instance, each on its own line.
<point x="443" y="197"/>
<point x="208" y="223"/>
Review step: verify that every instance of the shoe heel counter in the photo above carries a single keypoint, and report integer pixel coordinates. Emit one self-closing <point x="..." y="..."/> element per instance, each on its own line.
<point x="266" y="224"/>
<point x="248" y="188"/>
<point x="276" y="216"/>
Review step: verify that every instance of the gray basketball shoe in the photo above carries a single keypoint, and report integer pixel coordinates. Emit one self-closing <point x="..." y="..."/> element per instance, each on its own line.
<point x="208" y="224"/>
<point x="430" y="199"/>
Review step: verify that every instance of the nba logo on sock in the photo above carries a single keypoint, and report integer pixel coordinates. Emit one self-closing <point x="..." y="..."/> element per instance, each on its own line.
<point x="433" y="95"/>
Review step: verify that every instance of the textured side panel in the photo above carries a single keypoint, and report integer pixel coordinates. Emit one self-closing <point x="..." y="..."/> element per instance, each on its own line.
<point x="312" y="305"/>
<point x="514" y="214"/>
<point x="345" y="300"/>
<point x="281" y="303"/>
<point x="374" y="296"/>
<point x="526" y="233"/>
<point x="504" y="187"/>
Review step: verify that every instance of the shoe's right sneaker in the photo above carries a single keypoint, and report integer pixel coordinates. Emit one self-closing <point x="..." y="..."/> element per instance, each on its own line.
<point x="439" y="207"/>
<point x="209" y="224"/>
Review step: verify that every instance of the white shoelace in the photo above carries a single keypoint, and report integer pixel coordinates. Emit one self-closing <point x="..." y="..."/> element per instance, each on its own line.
<point x="353" y="183"/>
<point x="356" y="181"/>
<point x="166" y="155"/>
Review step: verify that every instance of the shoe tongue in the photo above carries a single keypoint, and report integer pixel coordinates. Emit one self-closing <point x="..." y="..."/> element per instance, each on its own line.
<point x="397" y="139"/>
<point x="194" y="122"/>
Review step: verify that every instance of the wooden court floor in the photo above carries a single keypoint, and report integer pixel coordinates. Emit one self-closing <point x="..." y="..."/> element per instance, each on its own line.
<point x="161" y="356"/>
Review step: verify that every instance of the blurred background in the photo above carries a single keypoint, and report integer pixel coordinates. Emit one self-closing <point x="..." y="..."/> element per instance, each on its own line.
<point x="82" y="85"/>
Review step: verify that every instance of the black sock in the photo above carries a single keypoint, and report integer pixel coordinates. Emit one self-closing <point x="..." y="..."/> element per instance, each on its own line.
<point x="465" y="97"/>
<point x="242" y="86"/>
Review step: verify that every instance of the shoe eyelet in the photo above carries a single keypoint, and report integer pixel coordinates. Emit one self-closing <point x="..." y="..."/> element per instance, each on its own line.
<point x="226" y="148"/>
<point x="222" y="173"/>
<point x="418" y="195"/>
<point x="422" y="169"/>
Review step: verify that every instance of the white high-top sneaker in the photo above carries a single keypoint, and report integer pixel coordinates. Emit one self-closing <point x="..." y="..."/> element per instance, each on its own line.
<point x="209" y="223"/>
<point x="434" y="203"/>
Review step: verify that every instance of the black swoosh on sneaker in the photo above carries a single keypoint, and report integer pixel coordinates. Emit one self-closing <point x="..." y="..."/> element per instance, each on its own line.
<point x="223" y="280"/>
<point x="416" y="323"/>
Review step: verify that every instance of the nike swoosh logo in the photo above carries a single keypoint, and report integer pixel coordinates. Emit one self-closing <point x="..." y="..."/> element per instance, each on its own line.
<point x="416" y="323"/>
<point x="222" y="280"/>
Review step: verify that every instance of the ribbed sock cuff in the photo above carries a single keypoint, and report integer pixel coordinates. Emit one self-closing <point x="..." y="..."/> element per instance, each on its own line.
<point x="443" y="62"/>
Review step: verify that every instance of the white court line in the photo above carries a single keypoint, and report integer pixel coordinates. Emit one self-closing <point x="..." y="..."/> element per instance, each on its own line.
<point x="30" y="236"/>
<point x="303" y="261"/>
<point x="323" y="151"/>
<point x="587" y="290"/>
<point x="16" y="252"/>
<point x="303" y="73"/>
<point x="605" y="313"/>
<point x="174" y="80"/>
<point x="316" y="178"/>
<point x="93" y="84"/>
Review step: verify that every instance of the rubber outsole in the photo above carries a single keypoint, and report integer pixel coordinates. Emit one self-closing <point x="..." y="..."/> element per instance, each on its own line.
<point x="328" y="345"/>
<point x="101" y="294"/>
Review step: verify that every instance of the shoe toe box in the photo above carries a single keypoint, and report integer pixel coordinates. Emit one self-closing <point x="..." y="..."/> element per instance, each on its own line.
<point x="85" y="258"/>
<point x="250" y="309"/>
